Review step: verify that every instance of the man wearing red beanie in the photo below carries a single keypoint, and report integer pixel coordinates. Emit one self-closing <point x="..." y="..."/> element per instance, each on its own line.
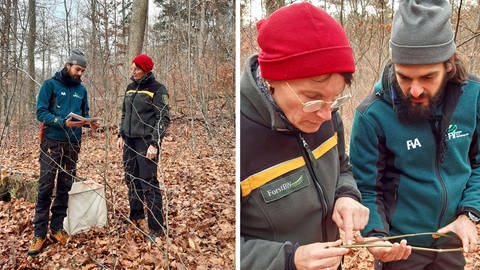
<point x="297" y="187"/>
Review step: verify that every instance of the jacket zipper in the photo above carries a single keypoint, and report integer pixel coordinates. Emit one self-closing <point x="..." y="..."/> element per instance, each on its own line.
<point x="444" y="189"/>
<point x="70" y="130"/>
<point x="444" y="192"/>
<point x="308" y="161"/>
<point x="131" y="110"/>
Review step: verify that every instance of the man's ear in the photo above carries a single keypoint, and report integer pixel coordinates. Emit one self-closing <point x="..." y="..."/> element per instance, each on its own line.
<point x="449" y="65"/>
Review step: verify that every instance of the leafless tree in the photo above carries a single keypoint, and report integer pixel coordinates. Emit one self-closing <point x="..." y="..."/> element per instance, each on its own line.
<point x="137" y="27"/>
<point x="32" y="25"/>
<point x="272" y="5"/>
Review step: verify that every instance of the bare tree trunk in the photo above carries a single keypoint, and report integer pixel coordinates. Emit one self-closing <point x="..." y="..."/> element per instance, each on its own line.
<point x="137" y="27"/>
<point x="191" y="102"/>
<point x="31" y="53"/>
<point x="202" y="33"/>
<point x="67" y="26"/>
<point x="342" y="6"/>
<point x="476" y="45"/>
<point x="272" y="5"/>
<point x="43" y="40"/>
<point x="4" y="60"/>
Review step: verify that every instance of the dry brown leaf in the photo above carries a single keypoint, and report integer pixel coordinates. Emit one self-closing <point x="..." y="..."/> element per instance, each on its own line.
<point x="191" y="243"/>
<point x="89" y="266"/>
<point x="179" y="266"/>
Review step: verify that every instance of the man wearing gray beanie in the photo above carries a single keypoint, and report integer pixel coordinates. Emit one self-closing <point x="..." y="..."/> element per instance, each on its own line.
<point x="77" y="58"/>
<point x="415" y="144"/>
<point x="60" y="139"/>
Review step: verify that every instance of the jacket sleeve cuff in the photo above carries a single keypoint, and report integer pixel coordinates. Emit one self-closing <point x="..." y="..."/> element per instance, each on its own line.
<point x="380" y="233"/>
<point x="348" y="192"/>
<point x="154" y="143"/>
<point x="61" y="122"/>
<point x="290" y="264"/>
<point x="464" y="209"/>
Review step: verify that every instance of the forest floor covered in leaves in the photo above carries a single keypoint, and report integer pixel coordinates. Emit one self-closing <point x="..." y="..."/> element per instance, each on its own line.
<point x="197" y="178"/>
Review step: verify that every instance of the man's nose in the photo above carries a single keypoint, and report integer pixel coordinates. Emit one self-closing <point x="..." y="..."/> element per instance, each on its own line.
<point x="416" y="89"/>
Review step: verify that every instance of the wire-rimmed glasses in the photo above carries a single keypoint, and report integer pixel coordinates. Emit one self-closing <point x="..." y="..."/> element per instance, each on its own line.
<point x="319" y="104"/>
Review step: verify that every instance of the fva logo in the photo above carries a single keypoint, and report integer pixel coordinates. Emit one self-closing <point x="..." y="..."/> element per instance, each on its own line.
<point x="412" y="144"/>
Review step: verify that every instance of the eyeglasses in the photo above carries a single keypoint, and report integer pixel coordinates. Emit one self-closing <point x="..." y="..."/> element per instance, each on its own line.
<point x="319" y="104"/>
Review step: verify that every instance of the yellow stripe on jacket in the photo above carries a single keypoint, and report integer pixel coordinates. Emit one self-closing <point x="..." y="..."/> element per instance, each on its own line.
<point x="150" y="94"/>
<point x="261" y="178"/>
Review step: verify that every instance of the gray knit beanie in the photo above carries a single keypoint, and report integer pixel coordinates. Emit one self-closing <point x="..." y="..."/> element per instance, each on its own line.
<point x="77" y="58"/>
<point x="422" y="32"/>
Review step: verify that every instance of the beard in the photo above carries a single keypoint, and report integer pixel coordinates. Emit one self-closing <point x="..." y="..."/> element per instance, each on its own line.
<point x="73" y="77"/>
<point x="76" y="78"/>
<point x="409" y="112"/>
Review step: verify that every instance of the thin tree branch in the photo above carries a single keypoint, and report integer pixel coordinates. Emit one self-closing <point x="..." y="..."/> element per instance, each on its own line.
<point x="468" y="40"/>
<point x="458" y="20"/>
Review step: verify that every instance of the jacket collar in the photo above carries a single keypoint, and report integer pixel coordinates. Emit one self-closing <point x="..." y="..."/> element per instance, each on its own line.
<point x="256" y="101"/>
<point x="63" y="77"/>
<point x="145" y="79"/>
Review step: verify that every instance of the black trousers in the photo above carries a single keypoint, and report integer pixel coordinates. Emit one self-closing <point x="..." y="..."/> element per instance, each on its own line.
<point x="141" y="178"/>
<point x="57" y="160"/>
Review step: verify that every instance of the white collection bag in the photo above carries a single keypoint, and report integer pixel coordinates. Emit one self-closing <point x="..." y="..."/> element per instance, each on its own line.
<point x="86" y="207"/>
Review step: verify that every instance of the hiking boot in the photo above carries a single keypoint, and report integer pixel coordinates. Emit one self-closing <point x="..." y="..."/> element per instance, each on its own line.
<point x="61" y="236"/>
<point x="154" y="234"/>
<point x="37" y="245"/>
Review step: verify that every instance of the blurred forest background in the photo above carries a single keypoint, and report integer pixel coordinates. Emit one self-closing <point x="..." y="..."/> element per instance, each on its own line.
<point x="193" y="46"/>
<point x="368" y="26"/>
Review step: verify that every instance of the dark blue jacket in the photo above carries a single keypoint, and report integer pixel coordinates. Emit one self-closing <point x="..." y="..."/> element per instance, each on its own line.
<point x="409" y="183"/>
<point x="58" y="97"/>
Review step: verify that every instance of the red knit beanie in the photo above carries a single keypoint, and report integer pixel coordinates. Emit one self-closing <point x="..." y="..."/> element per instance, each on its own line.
<point x="300" y="41"/>
<point x="144" y="62"/>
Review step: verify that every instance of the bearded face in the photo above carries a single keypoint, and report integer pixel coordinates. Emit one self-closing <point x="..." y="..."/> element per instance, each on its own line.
<point x="75" y="72"/>
<point x="410" y="112"/>
<point x="419" y="89"/>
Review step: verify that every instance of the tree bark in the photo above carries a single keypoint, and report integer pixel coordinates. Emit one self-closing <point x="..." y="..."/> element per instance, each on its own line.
<point x="32" y="19"/>
<point x="272" y="5"/>
<point x="476" y="45"/>
<point x="137" y="28"/>
<point x="67" y="27"/>
<point x="4" y="60"/>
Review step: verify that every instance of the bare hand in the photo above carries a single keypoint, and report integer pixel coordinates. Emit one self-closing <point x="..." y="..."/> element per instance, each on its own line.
<point x="396" y="251"/>
<point x="69" y="123"/>
<point x="466" y="231"/>
<point x="152" y="152"/>
<point x="350" y="216"/>
<point x="120" y="143"/>
<point x="94" y="125"/>
<point x="318" y="256"/>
